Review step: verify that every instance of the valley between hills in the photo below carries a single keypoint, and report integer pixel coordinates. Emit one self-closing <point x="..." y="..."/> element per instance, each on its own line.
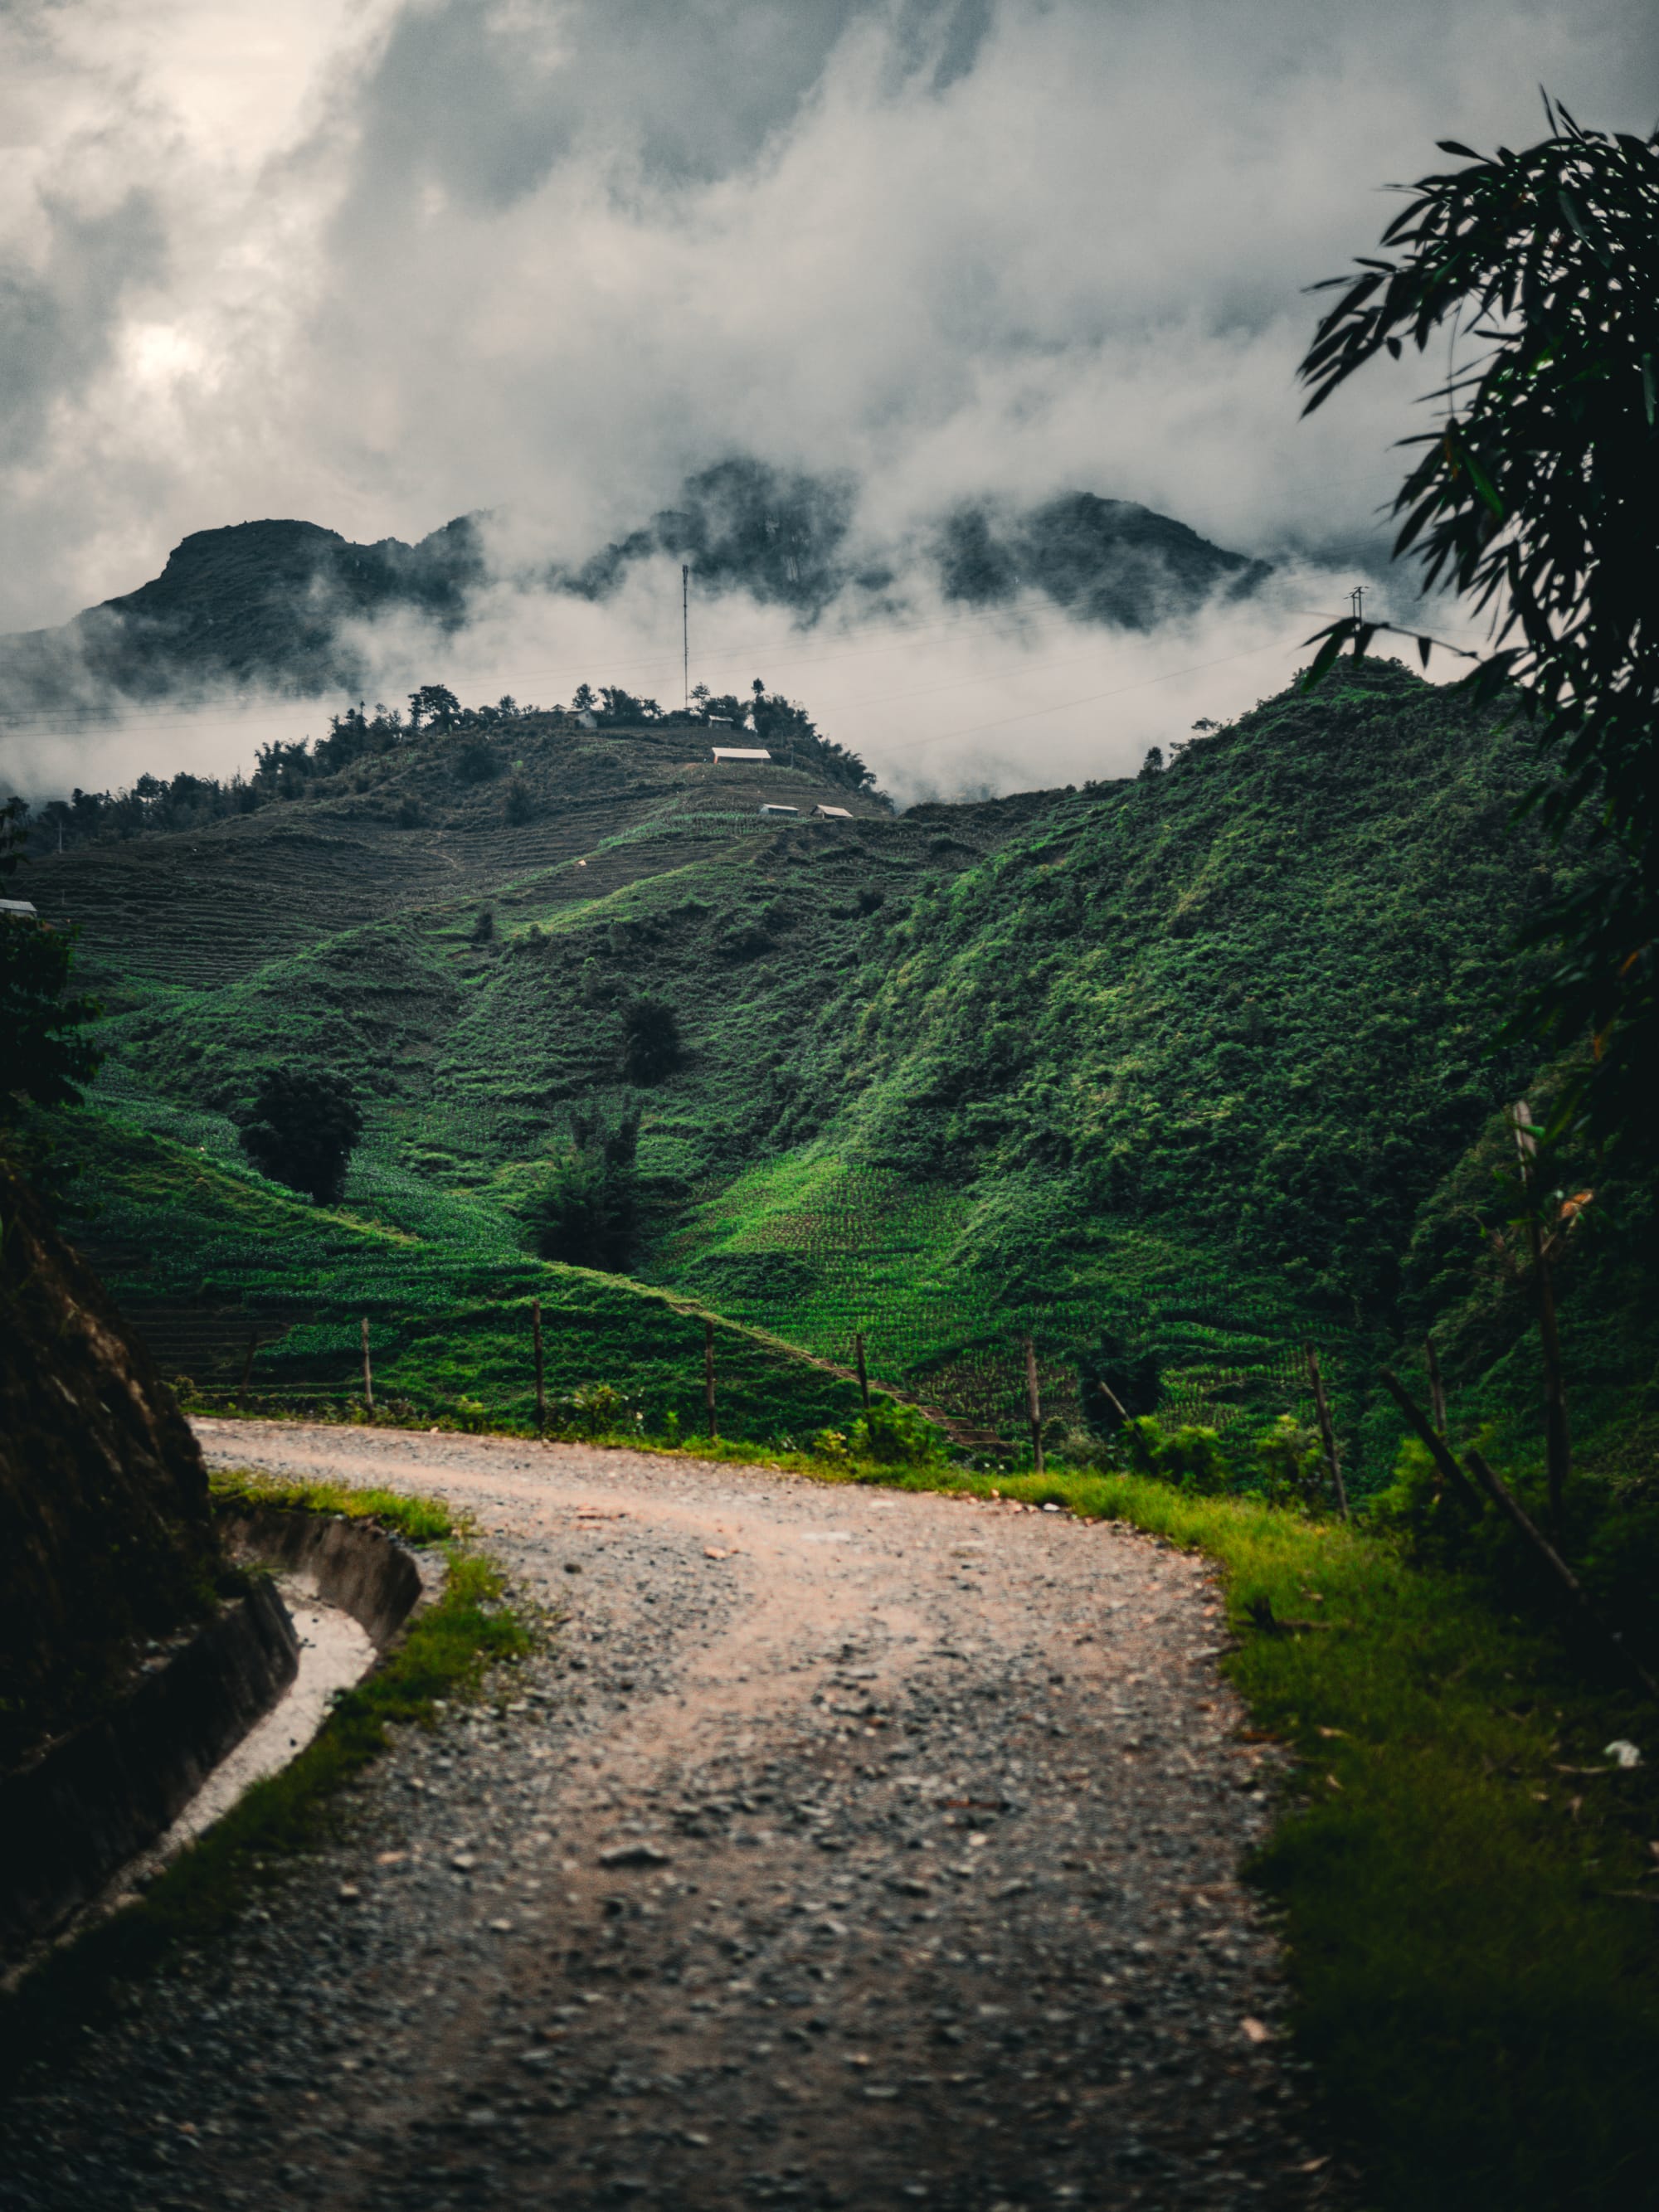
<point x="1176" y="1075"/>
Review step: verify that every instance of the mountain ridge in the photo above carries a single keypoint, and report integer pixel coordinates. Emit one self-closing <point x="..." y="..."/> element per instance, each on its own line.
<point x="270" y="604"/>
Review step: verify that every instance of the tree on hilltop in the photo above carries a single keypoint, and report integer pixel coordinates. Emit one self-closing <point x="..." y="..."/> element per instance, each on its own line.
<point x="436" y="705"/>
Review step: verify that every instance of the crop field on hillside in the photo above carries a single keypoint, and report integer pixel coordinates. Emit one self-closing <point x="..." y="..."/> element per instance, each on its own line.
<point x="1176" y="1069"/>
<point x="206" y="1255"/>
<point x="819" y="1250"/>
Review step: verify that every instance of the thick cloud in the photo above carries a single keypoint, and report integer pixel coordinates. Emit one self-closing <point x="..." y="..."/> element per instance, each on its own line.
<point x="382" y="264"/>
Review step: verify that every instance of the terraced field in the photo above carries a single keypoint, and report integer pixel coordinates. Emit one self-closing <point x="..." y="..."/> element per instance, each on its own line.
<point x="1171" y="1066"/>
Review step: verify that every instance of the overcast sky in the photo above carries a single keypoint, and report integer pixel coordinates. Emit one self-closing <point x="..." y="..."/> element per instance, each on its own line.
<point x="379" y="262"/>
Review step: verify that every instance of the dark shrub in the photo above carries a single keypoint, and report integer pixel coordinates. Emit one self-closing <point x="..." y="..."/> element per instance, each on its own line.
<point x="1115" y="1368"/>
<point x="651" y="1040"/>
<point x="475" y="761"/>
<point x="301" y="1129"/>
<point x="585" y="1209"/>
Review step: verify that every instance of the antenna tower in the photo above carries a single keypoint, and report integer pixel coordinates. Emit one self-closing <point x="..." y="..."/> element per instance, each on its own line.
<point x="685" y="632"/>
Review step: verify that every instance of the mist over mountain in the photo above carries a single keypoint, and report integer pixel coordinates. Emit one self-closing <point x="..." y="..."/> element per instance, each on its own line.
<point x="294" y="608"/>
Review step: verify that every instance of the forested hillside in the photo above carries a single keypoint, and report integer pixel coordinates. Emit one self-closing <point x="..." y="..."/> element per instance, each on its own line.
<point x="1176" y="1073"/>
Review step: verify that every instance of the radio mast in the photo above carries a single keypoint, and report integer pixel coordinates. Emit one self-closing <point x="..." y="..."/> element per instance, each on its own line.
<point x="685" y="632"/>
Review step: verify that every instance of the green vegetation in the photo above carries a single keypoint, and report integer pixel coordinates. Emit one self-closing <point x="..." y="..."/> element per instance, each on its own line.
<point x="418" y="1520"/>
<point x="584" y="1208"/>
<point x="1197" y="1067"/>
<point x="301" y="1129"/>
<point x="1179" y="1074"/>
<point x="447" y="1653"/>
<point x="228" y="1257"/>
<point x="49" y="1053"/>
<point x="1534" y="499"/>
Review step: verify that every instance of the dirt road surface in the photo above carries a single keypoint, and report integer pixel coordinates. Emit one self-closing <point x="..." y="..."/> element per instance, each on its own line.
<point x="845" y="1848"/>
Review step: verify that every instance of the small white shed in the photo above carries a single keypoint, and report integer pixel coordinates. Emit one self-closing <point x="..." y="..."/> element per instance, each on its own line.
<point x="833" y="813"/>
<point x="19" y="910"/>
<point x="741" y="753"/>
<point x="780" y="810"/>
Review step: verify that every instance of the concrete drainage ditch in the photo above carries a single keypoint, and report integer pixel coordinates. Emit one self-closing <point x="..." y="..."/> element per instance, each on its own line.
<point x="106" y="1805"/>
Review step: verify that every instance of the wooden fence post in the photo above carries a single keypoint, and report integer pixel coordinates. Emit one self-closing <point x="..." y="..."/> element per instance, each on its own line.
<point x="247" y="1369"/>
<point x="541" y="1395"/>
<point x="368" y="1375"/>
<point x="863" y="1376"/>
<point x="1033" y="1402"/>
<point x="1327" y="1431"/>
<point x="709" y="1372"/>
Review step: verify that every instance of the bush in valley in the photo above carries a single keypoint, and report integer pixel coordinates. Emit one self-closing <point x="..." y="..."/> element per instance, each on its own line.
<point x="1283" y="1463"/>
<point x="584" y="1209"/>
<point x="483" y="929"/>
<point x="520" y="803"/>
<point x="651" y="1040"/>
<point x="597" y="1409"/>
<point x="475" y="761"/>
<point x="895" y="1435"/>
<point x="301" y="1130"/>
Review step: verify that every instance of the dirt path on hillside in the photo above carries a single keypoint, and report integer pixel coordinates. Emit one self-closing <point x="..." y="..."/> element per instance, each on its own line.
<point x="847" y="1848"/>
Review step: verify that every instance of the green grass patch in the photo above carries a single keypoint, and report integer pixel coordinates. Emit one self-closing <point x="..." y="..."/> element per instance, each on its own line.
<point x="420" y="1520"/>
<point x="446" y="1654"/>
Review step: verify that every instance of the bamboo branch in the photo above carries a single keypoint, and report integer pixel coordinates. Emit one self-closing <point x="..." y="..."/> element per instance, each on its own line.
<point x="1327" y="1431"/>
<point x="1418" y="1421"/>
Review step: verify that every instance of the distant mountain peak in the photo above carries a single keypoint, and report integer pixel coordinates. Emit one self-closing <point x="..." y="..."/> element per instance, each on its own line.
<point x="271" y="604"/>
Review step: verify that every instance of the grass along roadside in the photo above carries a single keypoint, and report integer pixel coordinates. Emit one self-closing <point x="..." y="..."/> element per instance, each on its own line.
<point x="446" y="1654"/>
<point x="418" y="1520"/>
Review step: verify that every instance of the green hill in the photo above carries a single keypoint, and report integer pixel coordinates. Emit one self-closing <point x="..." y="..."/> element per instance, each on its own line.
<point x="1196" y="1067"/>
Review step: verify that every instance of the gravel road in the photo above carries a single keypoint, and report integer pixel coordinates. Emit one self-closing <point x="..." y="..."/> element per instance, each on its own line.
<point x="845" y="1848"/>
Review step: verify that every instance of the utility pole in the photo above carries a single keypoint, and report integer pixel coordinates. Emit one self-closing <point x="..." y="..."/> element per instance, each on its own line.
<point x="685" y="633"/>
<point x="1357" y="601"/>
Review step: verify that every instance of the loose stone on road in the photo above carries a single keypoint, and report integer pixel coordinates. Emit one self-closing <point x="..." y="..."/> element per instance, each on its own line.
<point x="846" y="1847"/>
